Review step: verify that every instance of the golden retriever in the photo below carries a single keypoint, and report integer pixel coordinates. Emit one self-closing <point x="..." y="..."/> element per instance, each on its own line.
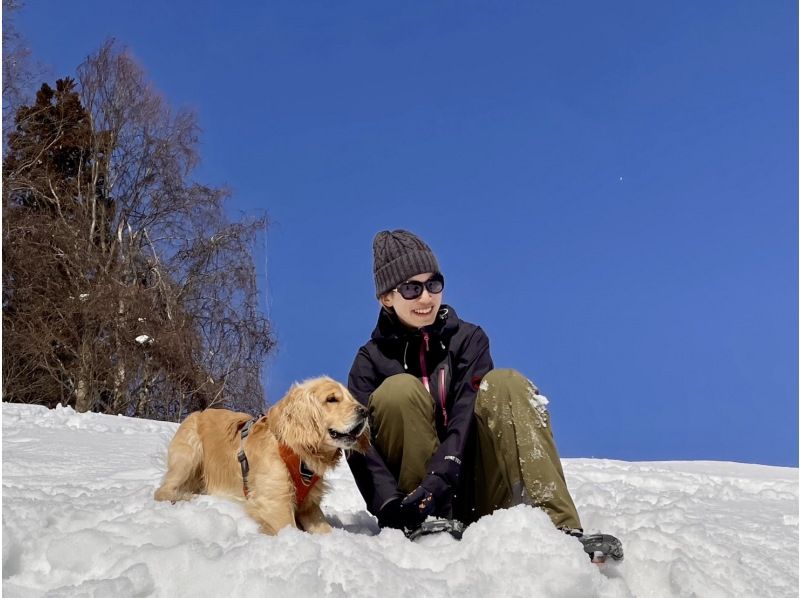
<point x="312" y="424"/>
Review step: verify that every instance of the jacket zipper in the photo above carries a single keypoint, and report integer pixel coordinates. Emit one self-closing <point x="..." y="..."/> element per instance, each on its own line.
<point x="442" y="393"/>
<point x="423" y="347"/>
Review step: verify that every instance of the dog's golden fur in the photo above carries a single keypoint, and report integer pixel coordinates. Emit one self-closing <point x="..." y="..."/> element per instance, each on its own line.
<point x="316" y="419"/>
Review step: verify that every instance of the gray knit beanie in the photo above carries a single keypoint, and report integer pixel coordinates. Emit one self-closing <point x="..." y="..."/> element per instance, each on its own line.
<point x="397" y="256"/>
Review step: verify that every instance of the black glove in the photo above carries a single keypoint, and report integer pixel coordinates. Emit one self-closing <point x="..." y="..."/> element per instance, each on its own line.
<point x="391" y="514"/>
<point x="432" y="496"/>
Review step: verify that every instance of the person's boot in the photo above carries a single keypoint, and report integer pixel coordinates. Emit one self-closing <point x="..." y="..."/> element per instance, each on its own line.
<point x="437" y="525"/>
<point x="598" y="546"/>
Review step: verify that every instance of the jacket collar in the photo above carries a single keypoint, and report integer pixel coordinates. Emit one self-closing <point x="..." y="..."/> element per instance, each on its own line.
<point x="390" y="329"/>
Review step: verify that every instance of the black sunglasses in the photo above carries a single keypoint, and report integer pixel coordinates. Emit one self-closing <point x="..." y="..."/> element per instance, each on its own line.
<point x="411" y="289"/>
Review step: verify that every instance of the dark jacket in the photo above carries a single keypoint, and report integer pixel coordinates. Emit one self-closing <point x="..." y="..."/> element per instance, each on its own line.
<point x="455" y="356"/>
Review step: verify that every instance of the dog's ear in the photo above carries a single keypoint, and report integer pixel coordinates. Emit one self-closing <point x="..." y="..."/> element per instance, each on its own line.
<point x="298" y="420"/>
<point x="363" y="442"/>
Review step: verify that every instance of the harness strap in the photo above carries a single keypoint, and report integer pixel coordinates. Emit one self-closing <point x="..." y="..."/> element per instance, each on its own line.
<point x="302" y="477"/>
<point x="241" y="455"/>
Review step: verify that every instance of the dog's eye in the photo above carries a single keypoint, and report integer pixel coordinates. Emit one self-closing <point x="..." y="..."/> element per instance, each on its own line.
<point x="332" y="399"/>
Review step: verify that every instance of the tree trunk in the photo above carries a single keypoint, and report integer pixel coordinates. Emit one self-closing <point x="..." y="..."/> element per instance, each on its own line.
<point x="83" y="389"/>
<point x="82" y="399"/>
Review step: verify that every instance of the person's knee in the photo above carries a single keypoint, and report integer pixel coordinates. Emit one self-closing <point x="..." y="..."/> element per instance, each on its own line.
<point x="503" y="379"/>
<point x="504" y="376"/>
<point x="503" y="382"/>
<point x="394" y="394"/>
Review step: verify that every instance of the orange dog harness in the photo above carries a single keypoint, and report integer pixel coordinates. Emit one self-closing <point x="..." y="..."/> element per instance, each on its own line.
<point x="302" y="477"/>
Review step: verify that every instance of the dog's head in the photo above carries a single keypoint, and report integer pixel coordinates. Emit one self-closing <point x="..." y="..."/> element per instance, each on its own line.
<point x="320" y="415"/>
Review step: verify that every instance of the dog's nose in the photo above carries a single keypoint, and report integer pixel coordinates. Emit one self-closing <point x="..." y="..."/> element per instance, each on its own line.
<point x="362" y="411"/>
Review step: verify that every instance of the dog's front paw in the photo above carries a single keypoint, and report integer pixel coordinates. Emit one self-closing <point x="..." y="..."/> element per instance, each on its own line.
<point x="170" y="494"/>
<point x="318" y="527"/>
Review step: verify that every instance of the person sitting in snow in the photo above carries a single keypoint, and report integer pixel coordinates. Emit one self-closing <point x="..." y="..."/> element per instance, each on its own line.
<point x="453" y="437"/>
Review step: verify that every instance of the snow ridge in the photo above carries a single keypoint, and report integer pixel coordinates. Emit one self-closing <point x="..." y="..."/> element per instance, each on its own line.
<point x="79" y="520"/>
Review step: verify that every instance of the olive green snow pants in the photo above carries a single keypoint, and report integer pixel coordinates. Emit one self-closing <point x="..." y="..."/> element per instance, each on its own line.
<point x="513" y="458"/>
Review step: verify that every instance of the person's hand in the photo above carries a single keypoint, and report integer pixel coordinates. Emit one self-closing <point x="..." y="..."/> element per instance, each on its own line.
<point x="416" y="507"/>
<point x="391" y="514"/>
<point x="433" y="492"/>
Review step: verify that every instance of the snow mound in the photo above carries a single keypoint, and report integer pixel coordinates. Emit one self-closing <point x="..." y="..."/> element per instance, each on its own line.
<point x="79" y="520"/>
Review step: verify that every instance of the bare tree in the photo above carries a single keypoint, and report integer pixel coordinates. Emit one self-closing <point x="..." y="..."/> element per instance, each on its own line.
<point x="19" y="70"/>
<point x="126" y="288"/>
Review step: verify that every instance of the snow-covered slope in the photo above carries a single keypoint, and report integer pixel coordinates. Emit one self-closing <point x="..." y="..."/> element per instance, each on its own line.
<point x="79" y="520"/>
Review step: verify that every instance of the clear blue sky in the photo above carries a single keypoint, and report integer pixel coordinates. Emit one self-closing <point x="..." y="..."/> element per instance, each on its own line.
<point x="611" y="189"/>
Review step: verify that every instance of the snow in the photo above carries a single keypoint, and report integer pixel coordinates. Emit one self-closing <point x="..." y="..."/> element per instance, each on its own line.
<point x="79" y="520"/>
<point x="539" y="403"/>
<point x="143" y="339"/>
